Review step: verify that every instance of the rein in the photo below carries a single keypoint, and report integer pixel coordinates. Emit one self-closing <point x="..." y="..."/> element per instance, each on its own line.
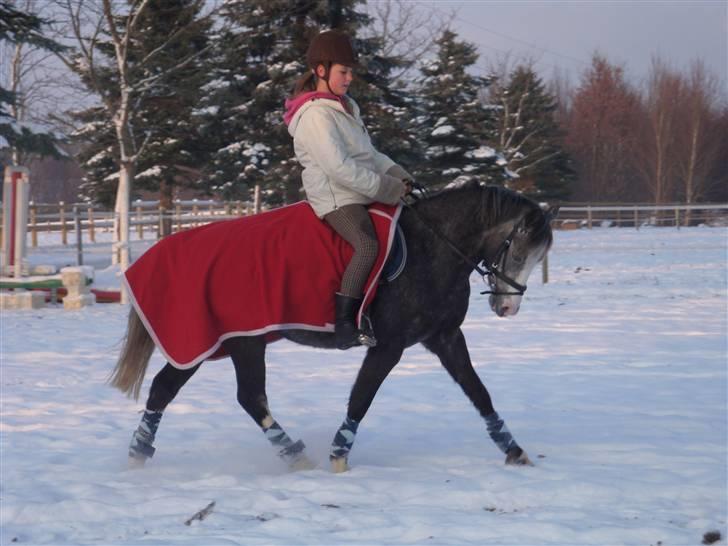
<point x="487" y="272"/>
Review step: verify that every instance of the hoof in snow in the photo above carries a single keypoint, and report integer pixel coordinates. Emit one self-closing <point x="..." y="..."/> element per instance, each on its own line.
<point x="518" y="457"/>
<point x="302" y="463"/>
<point x="339" y="465"/>
<point x="136" y="462"/>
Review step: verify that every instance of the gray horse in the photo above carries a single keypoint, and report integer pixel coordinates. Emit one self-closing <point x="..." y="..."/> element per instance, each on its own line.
<point x="448" y="236"/>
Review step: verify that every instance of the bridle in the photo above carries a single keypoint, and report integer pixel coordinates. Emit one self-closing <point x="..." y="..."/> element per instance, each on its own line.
<point x="490" y="271"/>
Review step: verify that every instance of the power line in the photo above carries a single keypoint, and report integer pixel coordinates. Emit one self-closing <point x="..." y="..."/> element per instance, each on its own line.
<point x="581" y="62"/>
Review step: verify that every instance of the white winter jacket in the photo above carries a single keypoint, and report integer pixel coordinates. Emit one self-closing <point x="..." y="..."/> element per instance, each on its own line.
<point x="340" y="165"/>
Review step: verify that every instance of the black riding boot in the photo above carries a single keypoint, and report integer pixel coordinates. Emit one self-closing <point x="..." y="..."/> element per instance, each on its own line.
<point x="347" y="334"/>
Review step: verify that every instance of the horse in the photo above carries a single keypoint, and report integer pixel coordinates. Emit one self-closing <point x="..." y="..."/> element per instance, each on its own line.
<point x="448" y="234"/>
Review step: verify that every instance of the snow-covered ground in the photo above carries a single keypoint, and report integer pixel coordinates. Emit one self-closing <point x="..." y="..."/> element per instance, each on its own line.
<point x="612" y="377"/>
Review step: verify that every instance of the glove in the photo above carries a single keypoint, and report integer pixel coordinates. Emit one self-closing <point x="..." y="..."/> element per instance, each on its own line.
<point x="398" y="172"/>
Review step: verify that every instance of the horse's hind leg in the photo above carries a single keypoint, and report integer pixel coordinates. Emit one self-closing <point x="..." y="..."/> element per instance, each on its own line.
<point x="165" y="386"/>
<point x="248" y="356"/>
<point x="452" y="350"/>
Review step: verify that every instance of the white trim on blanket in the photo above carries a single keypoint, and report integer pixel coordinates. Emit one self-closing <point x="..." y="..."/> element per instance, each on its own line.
<point x="394" y="218"/>
<point x="271" y="327"/>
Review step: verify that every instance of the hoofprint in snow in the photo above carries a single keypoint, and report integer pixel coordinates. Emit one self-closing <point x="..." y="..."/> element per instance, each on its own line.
<point x="612" y="377"/>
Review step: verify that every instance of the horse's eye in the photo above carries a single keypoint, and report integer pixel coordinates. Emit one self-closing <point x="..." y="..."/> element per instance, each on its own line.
<point x="519" y="259"/>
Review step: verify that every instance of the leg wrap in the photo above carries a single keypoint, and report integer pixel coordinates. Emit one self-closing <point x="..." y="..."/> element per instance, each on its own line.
<point x="344" y="439"/>
<point x="278" y="437"/>
<point x="499" y="433"/>
<point x="143" y="437"/>
<point x="287" y="448"/>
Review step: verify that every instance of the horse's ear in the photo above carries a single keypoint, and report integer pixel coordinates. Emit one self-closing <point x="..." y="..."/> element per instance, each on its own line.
<point x="552" y="212"/>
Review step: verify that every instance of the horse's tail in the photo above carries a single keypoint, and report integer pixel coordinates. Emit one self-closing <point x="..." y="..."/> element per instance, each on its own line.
<point x="128" y="374"/>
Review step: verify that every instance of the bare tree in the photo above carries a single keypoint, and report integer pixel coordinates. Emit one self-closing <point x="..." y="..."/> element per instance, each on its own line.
<point x="657" y="149"/>
<point x="114" y="23"/>
<point x="408" y="30"/>
<point x="697" y="135"/>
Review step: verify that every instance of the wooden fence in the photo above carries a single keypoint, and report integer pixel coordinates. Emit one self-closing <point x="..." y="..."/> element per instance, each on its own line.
<point x="147" y="217"/>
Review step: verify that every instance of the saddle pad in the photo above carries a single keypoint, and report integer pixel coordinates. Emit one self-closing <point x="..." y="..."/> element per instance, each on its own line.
<point x="277" y="270"/>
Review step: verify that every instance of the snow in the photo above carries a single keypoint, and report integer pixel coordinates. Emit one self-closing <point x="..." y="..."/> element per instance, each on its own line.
<point x="612" y="377"/>
<point x="443" y="130"/>
<point x="483" y="152"/>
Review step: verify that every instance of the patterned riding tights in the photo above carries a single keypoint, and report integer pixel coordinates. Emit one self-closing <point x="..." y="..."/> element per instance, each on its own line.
<point x="353" y="223"/>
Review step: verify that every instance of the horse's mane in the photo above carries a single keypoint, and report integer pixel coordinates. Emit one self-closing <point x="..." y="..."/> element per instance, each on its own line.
<point x="500" y="204"/>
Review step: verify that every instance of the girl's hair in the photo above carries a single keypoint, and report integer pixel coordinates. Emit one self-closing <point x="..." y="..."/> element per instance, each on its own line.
<point x="307" y="82"/>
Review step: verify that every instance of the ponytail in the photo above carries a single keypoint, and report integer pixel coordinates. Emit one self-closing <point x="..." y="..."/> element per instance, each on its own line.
<point x="307" y="82"/>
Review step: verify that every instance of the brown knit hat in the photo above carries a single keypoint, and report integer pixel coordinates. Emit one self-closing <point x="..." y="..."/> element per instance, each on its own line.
<point x="331" y="46"/>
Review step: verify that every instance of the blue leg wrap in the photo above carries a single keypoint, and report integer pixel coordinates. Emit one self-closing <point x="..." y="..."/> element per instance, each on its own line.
<point x="499" y="433"/>
<point x="143" y="437"/>
<point x="344" y="439"/>
<point x="277" y="436"/>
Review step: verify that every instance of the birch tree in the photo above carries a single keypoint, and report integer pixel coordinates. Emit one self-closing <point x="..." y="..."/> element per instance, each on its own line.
<point x="24" y="48"/>
<point x="698" y="137"/>
<point x="113" y="26"/>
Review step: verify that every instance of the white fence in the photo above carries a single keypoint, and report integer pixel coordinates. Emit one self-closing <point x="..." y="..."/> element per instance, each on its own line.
<point x="147" y="217"/>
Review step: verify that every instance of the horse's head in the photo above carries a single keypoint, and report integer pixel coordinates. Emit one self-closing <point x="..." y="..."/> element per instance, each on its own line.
<point x="513" y="250"/>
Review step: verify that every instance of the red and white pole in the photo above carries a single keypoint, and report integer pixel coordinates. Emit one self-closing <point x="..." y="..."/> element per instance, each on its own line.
<point x="16" y="191"/>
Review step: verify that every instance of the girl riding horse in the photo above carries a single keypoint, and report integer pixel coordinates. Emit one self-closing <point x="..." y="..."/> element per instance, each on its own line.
<point x="342" y="171"/>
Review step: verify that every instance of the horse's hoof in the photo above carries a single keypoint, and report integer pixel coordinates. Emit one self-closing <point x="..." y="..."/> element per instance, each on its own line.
<point x="518" y="457"/>
<point x="136" y="463"/>
<point x="339" y="465"/>
<point x="302" y="463"/>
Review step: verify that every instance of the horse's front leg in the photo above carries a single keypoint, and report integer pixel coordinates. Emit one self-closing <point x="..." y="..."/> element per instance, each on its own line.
<point x="377" y="364"/>
<point x="452" y="350"/>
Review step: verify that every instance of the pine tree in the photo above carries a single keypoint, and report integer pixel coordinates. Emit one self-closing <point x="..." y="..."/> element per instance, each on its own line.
<point x="256" y="65"/>
<point x="454" y="123"/>
<point x="20" y="28"/>
<point x="529" y="138"/>
<point x="163" y="119"/>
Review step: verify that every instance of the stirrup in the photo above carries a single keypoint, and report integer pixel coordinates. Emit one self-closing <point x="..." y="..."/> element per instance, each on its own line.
<point x="366" y="339"/>
<point x="366" y="333"/>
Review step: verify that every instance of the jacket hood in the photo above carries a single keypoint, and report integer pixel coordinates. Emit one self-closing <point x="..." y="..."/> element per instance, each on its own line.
<point x="294" y="105"/>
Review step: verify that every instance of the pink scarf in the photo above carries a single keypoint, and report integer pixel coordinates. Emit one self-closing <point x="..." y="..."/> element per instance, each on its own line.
<point x="293" y="104"/>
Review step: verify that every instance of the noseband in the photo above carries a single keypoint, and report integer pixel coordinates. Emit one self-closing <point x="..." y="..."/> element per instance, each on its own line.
<point x="489" y="272"/>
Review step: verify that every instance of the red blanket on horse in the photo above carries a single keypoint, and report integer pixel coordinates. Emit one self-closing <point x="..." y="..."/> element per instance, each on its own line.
<point x="254" y="275"/>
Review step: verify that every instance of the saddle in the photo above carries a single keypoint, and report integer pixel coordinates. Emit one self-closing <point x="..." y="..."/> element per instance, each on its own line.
<point x="260" y="274"/>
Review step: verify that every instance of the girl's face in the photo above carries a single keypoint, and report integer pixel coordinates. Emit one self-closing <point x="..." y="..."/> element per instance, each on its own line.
<point x="340" y="77"/>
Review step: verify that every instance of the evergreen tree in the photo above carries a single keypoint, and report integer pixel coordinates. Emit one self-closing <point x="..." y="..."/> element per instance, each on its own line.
<point x="529" y="137"/>
<point x="20" y="28"/>
<point x="454" y="124"/>
<point x="257" y="62"/>
<point x="169" y="31"/>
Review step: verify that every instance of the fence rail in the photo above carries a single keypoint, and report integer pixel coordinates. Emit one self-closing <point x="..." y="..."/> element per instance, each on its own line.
<point x="147" y="217"/>
<point x="638" y="215"/>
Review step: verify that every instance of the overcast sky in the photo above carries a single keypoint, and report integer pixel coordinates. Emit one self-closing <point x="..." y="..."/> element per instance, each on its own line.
<point x="566" y="33"/>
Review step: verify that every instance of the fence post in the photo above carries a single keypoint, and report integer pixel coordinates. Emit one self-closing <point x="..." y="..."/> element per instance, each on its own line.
<point x="79" y="238"/>
<point x="178" y="213"/>
<point x="160" y="223"/>
<point x="238" y="208"/>
<point x="195" y="212"/>
<point x="636" y="219"/>
<point x="91" y="227"/>
<point x="140" y="224"/>
<point x="677" y="217"/>
<point x="589" y="216"/>
<point x="64" y="232"/>
<point x="256" y="199"/>
<point x="545" y="269"/>
<point x="33" y="225"/>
